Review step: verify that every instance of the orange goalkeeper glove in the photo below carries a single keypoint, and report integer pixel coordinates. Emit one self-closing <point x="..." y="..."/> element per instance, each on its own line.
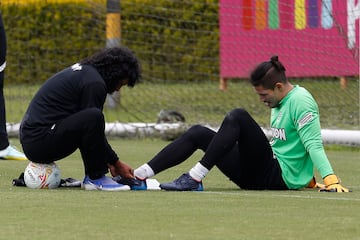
<point x="332" y="184"/>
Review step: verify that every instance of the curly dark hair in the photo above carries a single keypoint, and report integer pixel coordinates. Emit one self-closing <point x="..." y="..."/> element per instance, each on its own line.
<point x="267" y="74"/>
<point x="115" y="65"/>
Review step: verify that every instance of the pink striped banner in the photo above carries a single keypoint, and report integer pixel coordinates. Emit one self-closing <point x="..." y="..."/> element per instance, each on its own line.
<point x="311" y="37"/>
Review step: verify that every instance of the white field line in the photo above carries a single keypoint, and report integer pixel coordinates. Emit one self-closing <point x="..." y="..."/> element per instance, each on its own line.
<point x="335" y="196"/>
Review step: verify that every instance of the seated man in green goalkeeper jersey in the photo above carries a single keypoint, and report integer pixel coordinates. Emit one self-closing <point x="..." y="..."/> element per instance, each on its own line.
<point x="243" y="153"/>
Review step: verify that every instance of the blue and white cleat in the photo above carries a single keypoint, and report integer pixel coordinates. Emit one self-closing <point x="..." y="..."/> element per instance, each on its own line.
<point x="134" y="183"/>
<point x="11" y="153"/>
<point x="104" y="184"/>
<point x="183" y="183"/>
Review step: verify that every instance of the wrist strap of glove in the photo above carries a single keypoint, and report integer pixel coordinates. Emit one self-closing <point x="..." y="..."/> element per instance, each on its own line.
<point x="331" y="180"/>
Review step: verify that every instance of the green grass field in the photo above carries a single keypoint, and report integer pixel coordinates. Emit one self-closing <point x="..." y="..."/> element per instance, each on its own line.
<point x="222" y="211"/>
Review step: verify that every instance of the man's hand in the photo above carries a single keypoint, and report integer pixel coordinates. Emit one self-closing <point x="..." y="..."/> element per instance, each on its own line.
<point x="314" y="184"/>
<point x="122" y="169"/>
<point x="332" y="184"/>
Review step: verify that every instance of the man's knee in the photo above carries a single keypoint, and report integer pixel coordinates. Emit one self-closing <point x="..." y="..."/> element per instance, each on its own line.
<point x="237" y="114"/>
<point x="198" y="129"/>
<point x="199" y="133"/>
<point x="94" y="115"/>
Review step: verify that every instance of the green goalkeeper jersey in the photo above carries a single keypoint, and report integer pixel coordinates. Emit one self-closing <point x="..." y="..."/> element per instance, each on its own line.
<point x="296" y="138"/>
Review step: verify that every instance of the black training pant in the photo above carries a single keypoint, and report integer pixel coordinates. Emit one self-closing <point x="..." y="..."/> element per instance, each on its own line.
<point x="4" y="142"/>
<point x="239" y="149"/>
<point x="84" y="131"/>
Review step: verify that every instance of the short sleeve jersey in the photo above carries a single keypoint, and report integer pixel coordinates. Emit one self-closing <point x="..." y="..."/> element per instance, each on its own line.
<point x="296" y="138"/>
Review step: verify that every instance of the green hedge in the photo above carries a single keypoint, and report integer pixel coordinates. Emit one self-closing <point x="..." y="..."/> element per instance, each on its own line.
<point x="175" y="41"/>
<point x="178" y="40"/>
<point x="42" y="39"/>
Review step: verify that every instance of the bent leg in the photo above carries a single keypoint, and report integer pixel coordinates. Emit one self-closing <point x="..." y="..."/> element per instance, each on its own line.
<point x="242" y="152"/>
<point x="84" y="131"/>
<point x="197" y="137"/>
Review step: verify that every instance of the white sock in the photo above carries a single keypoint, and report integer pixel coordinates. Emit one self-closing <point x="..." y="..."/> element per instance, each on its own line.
<point x="198" y="172"/>
<point x="144" y="171"/>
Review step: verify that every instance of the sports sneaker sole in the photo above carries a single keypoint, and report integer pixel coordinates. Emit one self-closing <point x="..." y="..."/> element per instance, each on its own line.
<point x="92" y="187"/>
<point x="13" y="158"/>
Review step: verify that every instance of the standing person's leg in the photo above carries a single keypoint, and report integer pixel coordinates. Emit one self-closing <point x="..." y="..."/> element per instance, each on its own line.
<point x="196" y="137"/>
<point x="7" y="151"/>
<point x="4" y="143"/>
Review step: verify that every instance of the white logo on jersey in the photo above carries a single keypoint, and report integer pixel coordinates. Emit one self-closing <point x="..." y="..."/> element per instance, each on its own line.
<point x="76" y="67"/>
<point x="307" y="118"/>
<point x="279" y="133"/>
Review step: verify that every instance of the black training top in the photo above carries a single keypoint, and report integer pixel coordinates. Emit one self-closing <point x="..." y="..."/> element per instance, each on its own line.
<point x="67" y="92"/>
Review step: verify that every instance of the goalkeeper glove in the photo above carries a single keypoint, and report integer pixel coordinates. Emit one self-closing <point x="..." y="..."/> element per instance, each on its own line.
<point x="332" y="184"/>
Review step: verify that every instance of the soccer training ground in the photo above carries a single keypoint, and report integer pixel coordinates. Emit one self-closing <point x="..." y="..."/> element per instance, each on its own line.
<point x="222" y="211"/>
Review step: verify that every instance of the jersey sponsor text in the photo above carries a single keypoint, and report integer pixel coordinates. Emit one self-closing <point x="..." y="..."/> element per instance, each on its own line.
<point x="278" y="133"/>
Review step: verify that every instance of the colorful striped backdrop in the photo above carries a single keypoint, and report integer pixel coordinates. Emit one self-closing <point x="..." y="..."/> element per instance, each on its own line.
<point x="311" y="37"/>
